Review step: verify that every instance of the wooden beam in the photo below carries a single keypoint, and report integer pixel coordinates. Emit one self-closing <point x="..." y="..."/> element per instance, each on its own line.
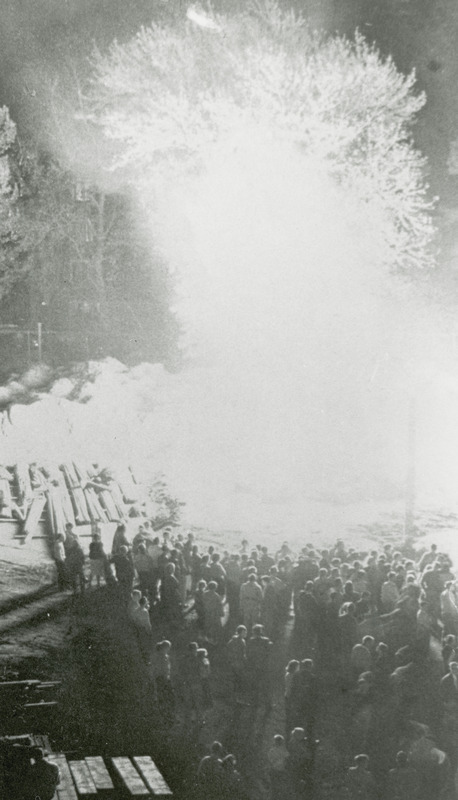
<point x="130" y="777"/>
<point x="152" y="776"/>
<point x="99" y="772"/>
<point x="85" y="786"/>
<point x="66" y="789"/>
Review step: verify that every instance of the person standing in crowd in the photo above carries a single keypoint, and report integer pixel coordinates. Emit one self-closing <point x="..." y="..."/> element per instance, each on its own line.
<point x="449" y="609"/>
<point x="199" y="605"/>
<point x="259" y="648"/>
<point x="359" y="782"/>
<point x="42" y="779"/>
<point x="144" y="565"/>
<point x="97" y="559"/>
<point x="204" y="670"/>
<point x="124" y="571"/>
<point x="250" y="601"/>
<point x="304" y="696"/>
<point x="299" y="763"/>
<point x="402" y="782"/>
<point x="59" y="558"/>
<point x="142" y="622"/>
<point x="191" y="687"/>
<point x="213" y="613"/>
<point x="210" y="773"/>
<point x="277" y="757"/>
<point x="163" y="676"/>
<point x="291" y="669"/>
<point x="170" y="595"/>
<point x="75" y="564"/>
<point x="119" y="540"/>
<point x="218" y="574"/>
<point x="236" y="656"/>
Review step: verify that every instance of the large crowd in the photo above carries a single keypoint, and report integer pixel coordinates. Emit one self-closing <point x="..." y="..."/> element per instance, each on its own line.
<point x="367" y="641"/>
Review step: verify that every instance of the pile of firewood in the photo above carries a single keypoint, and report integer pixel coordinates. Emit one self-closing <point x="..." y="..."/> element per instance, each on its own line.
<point x="66" y="493"/>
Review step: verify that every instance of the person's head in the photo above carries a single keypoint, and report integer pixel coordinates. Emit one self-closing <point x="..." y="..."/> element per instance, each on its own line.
<point x="121" y="528"/>
<point x="391" y="576"/>
<point x="212" y="586"/>
<point x="215" y="558"/>
<point x="241" y="631"/>
<point x="434" y="548"/>
<point x="348" y="588"/>
<point x="309" y="587"/>
<point x="453" y="667"/>
<point x="252" y="577"/>
<point x="279" y="740"/>
<point x="136" y="595"/>
<point x="306" y="665"/>
<point x="202" y="653"/>
<point x="273" y="571"/>
<point x="401" y="758"/>
<point x="335" y="575"/>
<point x="297" y="734"/>
<point x="202" y="585"/>
<point x="382" y="649"/>
<point x="258" y="630"/>
<point x="37" y="754"/>
<point x="193" y="648"/>
<point x="216" y="750"/>
<point x="323" y="573"/>
<point x="369" y="642"/>
<point x="123" y="550"/>
<point x="229" y="762"/>
<point x="68" y="527"/>
<point x="141" y="549"/>
<point x="164" y="647"/>
<point x="144" y="602"/>
<point x="170" y="569"/>
<point x="60" y="537"/>
<point x="292" y="666"/>
<point x="361" y="761"/>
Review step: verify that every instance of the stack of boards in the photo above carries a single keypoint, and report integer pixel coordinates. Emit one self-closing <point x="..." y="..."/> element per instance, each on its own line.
<point x="65" y="493"/>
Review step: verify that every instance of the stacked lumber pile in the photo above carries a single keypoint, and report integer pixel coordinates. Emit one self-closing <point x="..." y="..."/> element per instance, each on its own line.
<point x="64" y="493"/>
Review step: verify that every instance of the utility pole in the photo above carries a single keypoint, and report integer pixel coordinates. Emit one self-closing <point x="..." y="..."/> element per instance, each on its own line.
<point x="411" y="468"/>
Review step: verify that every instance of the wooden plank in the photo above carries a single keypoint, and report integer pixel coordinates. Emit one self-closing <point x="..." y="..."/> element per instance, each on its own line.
<point x="129" y="776"/>
<point x="42" y="704"/>
<point x="83" y="778"/>
<point x="33" y="515"/>
<point x="99" y="772"/>
<point x="65" y="789"/>
<point x="152" y="776"/>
